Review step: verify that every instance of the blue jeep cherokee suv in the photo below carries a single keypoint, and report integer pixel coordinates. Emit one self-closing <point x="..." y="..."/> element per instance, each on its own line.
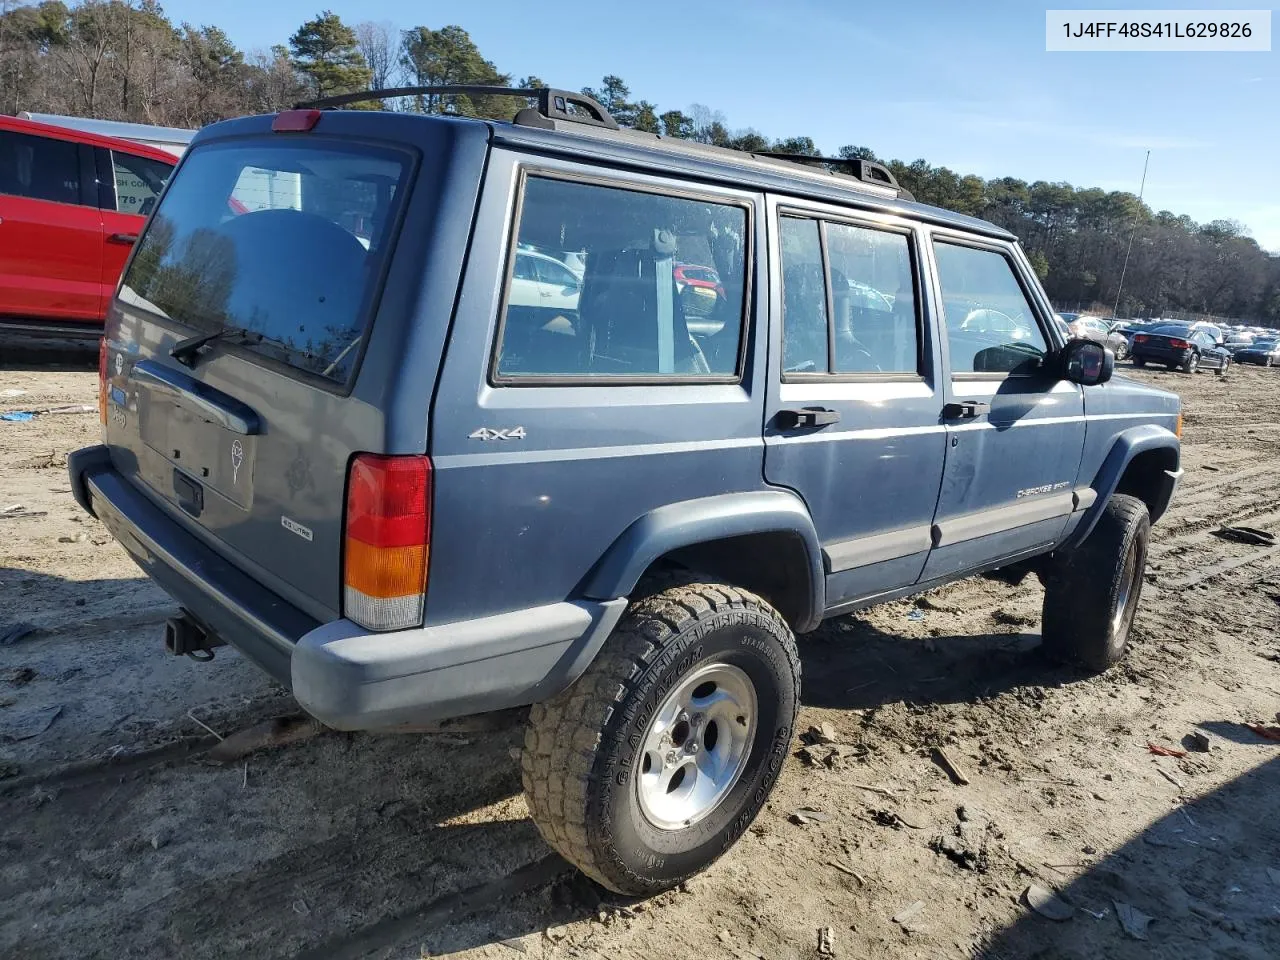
<point x="431" y="416"/>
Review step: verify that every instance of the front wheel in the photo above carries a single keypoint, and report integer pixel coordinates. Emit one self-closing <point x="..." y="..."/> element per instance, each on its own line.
<point x="660" y="755"/>
<point x="1122" y="351"/>
<point x="1192" y="363"/>
<point x="1091" y="593"/>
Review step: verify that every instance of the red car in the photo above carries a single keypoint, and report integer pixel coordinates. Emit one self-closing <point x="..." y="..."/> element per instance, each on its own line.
<point x="71" y="206"/>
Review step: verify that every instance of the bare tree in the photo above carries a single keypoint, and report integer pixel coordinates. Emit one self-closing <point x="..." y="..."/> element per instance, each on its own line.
<point x="380" y="43"/>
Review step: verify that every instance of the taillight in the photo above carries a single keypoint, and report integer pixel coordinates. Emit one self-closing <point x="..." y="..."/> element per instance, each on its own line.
<point x="1140" y="338"/>
<point x="102" y="380"/>
<point x="387" y="541"/>
<point x="1180" y="344"/>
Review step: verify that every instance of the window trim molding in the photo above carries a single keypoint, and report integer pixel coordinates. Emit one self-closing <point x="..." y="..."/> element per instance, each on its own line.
<point x="526" y="172"/>
<point x="914" y="254"/>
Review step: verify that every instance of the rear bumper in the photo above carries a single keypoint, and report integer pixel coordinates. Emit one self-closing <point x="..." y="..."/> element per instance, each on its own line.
<point x="1159" y="356"/>
<point x="340" y="673"/>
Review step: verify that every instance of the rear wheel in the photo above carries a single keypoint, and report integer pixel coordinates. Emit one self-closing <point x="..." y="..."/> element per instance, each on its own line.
<point x="657" y="759"/>
<point x="1192" y="363"/>
<point x="1091" y="592"/>
<point x="1139" y="361"/>
<point x="1222" y="370"/>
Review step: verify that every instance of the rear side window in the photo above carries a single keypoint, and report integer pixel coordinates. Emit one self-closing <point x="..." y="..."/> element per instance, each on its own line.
<point x="991" y="327"/>
<point x="848" y="300"/>
<point x="283" y="239"/>
<point x="599" y="289"/>
<point x="39" y="168"/>
<point x="139" y="181"/>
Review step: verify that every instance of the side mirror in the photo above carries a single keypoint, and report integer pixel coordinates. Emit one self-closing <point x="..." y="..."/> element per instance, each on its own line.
<point x="1087" y="363"/>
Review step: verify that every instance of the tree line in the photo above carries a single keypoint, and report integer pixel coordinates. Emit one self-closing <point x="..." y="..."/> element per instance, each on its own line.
<point x="126" y="60"/>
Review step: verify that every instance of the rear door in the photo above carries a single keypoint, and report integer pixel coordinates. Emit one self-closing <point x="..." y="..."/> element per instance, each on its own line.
<point x="133" y="184"/>
<point x="1015" y="430"/>
<point x="50" y="229"/>
<point x="246" y="440"/>
<point x="554" y="430"/>
<point x="852" y="419"/>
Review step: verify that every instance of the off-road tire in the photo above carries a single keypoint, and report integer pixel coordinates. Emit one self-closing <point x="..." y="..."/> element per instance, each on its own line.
<point x="1085" y="586"/>
<point x="581" y="747"/>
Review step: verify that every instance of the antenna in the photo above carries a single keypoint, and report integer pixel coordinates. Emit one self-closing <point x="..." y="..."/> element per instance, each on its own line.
<point x="1115" y="312"/>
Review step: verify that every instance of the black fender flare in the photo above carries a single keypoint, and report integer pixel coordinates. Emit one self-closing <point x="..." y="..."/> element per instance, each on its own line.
<point x="1127" y="445"/>
<point x="692" y="522"/>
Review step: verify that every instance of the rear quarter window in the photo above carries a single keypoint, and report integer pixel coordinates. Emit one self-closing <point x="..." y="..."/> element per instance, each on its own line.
<point x="283" y="239"/>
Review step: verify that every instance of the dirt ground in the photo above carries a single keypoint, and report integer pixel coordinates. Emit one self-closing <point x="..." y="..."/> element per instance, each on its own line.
<point x="122" y="836"/>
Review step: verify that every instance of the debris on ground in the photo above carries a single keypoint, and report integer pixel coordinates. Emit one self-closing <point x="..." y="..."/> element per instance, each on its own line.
<point x="1198" y="740"/>
<point x="14" y="633"/>
<point x="1266" y="732"/>
<point x="820" y="733"/>
<point x="954" y="771"/>
<point x="25" y="724"/>
<point x="887" y="818"/>
<point x="908" y="913"/>
<point x="826" y="946"/>
<point x="18" y="416"/>
<point x="1251" y="535"/>
<point x="1047" y="903"/>
<point x="278" y="732"/>
<point x="806" y="815"/>
<point x="1132" y="920"/>
<point x="966" y="846"/>
<point x="724" y="936"/>
<point x="1012" y="619"/>
<point x="1160" y="751"/>
<point x="916" y="614"/>
<point x="19" y="676"/>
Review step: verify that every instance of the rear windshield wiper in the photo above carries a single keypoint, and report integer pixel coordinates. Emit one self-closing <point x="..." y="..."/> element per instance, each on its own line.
<point x="184" y="351"/>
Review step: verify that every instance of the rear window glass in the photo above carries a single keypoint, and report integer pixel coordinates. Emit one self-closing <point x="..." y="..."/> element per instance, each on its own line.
<point x="285" y="240"/>
<point x="610" y="283"/>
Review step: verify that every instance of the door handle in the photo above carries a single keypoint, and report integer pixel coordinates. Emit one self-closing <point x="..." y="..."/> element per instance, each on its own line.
<point x="806" y="417"/>
<point x="965" y="410"/>
<point x="125" y="238"/>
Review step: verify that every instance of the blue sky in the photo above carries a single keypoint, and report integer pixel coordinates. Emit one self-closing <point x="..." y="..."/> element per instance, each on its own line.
<point x="968" y="86"/>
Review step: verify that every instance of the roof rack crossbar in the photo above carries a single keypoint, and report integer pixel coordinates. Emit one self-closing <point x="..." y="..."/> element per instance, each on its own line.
<point x="553" y="104"/>
<point x="868" y="171"/>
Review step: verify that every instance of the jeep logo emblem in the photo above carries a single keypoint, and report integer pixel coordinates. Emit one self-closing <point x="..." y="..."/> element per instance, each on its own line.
<point x="489" y="433"/>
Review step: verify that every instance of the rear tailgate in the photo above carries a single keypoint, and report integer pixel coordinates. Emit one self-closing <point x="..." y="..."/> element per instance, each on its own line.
<point x="290" y="249"/>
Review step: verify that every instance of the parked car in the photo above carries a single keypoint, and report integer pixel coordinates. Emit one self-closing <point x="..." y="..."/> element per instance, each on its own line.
<point x="1233" y="343"/>
<point x="448" y="511"/>
<point x="1098" y="330"/>
<point x="1179" y="347"/>
<point x="1265" y="353"/>
<point x="71" y="206"/>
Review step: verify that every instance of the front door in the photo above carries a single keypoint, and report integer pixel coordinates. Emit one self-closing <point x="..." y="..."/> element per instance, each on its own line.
<point x="1015" y="431"/>
<point x="852" y="420"/>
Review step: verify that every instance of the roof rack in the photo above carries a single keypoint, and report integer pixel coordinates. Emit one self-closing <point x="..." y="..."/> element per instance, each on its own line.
<point x="868" y="171"/>
<point x="552" y="105"/>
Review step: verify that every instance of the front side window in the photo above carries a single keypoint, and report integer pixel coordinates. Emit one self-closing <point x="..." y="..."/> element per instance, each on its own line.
<point x="139" y="181"/>
<point x="991" y="327"/>
<point x="285" y="240"/>
<point x="39" y="168"/>
<point x="596" y="291"/>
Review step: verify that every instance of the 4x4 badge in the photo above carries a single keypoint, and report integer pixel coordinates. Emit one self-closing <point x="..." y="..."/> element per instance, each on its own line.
<point x="489" y="433"/>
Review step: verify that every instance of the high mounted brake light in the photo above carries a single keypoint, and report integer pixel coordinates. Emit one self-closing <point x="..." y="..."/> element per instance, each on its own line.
<point x="295" y="121"/>
<point x="388" y="539"/>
